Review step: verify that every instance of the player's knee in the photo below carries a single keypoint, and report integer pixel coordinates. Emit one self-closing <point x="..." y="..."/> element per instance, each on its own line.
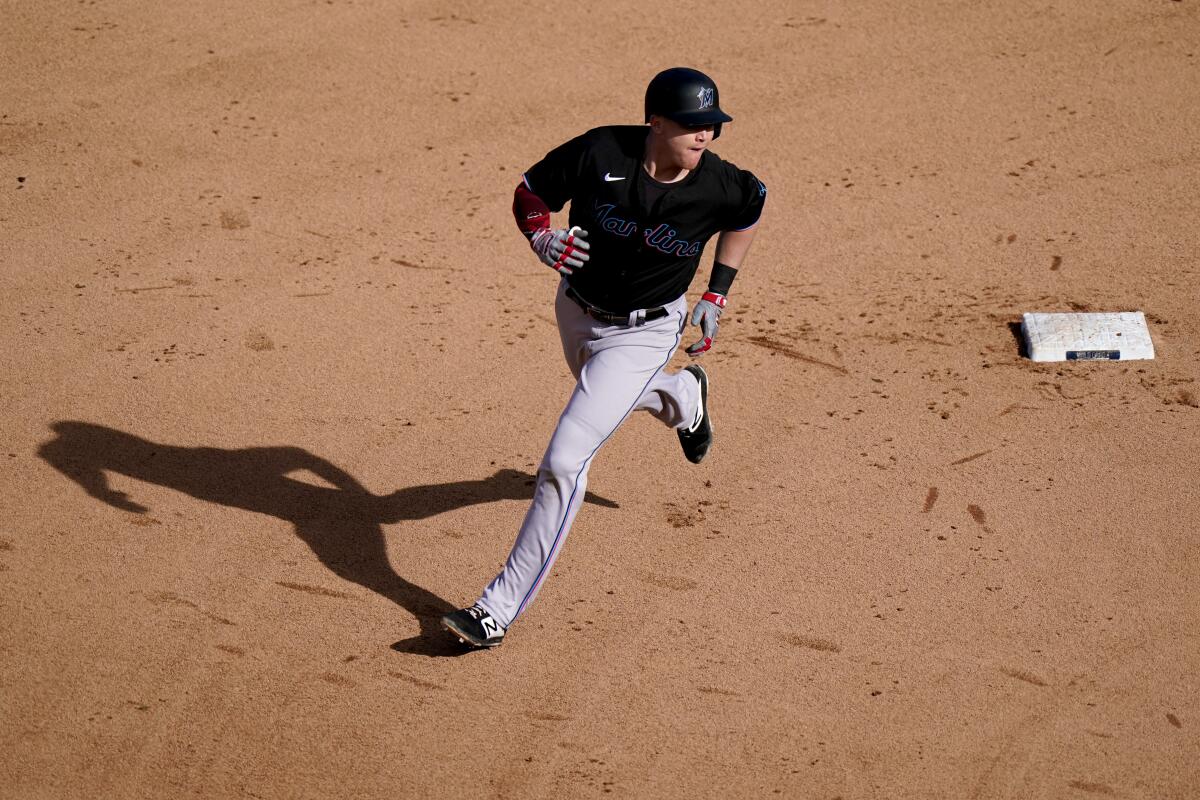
<point x="561" y="466"/>
<point x="574" y="442"/>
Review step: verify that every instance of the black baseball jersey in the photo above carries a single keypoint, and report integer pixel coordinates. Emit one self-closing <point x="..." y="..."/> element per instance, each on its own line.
<point x="646" y="237"/>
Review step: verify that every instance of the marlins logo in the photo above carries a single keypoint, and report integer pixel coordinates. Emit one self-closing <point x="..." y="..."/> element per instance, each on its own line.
<point x="706" y="98"/>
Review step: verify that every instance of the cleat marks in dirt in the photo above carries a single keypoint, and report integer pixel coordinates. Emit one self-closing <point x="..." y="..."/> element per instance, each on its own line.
<point x="1017" y="407"/>
<point x="680" y="517"/>
<point x="317" y="590"/>
<point x="235" y="220"/>
<point x="673" y="582"/>
<point x="1023" y="675"/>
<point x="776" y="346"/>
<point x="966" y="459"/>
<point x="337" y="680"/>
<point x="259" y="342"/>
<point x="811" y="643"/>
<point x="978" y="515"/>
<point x="415" y="681"/>
<point x="170" y="598"/>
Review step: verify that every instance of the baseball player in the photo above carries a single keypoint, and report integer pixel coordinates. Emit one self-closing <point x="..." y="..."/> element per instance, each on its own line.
<point x="644" y="202"/>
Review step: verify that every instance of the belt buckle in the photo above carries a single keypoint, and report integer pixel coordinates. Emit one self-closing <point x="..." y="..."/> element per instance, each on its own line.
<point x="637" y="318"/>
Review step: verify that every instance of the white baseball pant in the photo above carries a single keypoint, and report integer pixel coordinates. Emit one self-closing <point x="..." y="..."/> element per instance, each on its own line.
<point x="618" y="369"/>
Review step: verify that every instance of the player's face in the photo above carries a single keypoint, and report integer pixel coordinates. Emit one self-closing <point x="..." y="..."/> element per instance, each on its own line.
<point x="685" y="144"/>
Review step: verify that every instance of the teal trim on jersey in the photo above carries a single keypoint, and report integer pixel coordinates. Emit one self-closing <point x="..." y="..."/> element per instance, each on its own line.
<point x="575" y="489"/>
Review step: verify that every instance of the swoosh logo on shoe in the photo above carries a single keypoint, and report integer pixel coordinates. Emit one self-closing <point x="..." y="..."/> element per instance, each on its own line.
<point x="609" y="178"/>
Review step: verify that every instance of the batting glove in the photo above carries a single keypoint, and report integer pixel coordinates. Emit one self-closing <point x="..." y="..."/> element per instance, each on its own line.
<point x="564" y="251"/>
<point x="705" y="314"/>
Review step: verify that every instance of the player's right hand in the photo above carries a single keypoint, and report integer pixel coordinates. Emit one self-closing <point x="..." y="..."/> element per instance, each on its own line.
<point x="562" y="250"/>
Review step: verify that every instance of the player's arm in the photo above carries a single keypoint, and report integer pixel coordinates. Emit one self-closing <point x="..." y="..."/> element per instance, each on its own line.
<point x="562" y="250"/>
<point x="547" y="186"/>
<point x="732" y="247"/>
<point x="531" y="211"/>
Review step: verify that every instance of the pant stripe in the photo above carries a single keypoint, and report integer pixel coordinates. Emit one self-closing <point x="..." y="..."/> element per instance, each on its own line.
<point x="567" y="511"/>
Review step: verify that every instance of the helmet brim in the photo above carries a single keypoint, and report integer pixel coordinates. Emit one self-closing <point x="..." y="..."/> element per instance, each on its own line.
<point x="710" y="116"/>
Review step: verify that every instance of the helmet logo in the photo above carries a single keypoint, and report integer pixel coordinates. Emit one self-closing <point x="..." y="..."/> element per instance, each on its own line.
<point x="705" y="96"/>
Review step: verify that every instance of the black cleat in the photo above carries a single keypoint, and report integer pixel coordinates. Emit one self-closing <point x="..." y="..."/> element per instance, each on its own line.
<point x="697" y="439"/>
<point x="474" y="626"/>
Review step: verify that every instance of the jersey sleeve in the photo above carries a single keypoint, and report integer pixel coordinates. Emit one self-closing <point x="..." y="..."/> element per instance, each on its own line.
<point x="554" y="177"/>
<point x="746" y="196"/>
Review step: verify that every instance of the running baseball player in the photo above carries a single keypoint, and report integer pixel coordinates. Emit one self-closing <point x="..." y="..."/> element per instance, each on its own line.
<point x="644" y="202"/>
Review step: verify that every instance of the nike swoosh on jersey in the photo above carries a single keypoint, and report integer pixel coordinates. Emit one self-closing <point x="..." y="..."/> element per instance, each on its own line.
<point x="609" y="177"/>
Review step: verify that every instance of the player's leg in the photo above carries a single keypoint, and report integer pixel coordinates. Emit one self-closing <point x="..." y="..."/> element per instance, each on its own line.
<point x="479" y="624"/>
<point x="672" y="397"/>
<point x="680" y="401"/>
<point x="614" y="375"/>
<point x="574" y="330"/>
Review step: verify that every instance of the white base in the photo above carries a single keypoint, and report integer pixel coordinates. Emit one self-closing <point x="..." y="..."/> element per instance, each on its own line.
<point x="1087" y="337"/>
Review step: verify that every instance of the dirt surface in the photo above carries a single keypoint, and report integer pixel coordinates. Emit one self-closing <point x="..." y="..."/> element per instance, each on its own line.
<point x="278" y="369"/>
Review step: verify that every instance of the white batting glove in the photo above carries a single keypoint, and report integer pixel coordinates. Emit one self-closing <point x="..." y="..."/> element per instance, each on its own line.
<point x="562" y="250"/>
<point x="705" y="314"/>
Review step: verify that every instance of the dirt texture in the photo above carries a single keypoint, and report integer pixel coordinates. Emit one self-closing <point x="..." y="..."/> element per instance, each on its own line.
<point x="278" y="368"/>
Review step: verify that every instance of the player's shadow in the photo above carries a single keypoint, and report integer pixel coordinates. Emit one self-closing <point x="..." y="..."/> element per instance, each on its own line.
<point x="341" y="522"/>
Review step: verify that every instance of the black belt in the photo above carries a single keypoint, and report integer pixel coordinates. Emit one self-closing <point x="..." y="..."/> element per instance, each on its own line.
<point x="643" y="315"/>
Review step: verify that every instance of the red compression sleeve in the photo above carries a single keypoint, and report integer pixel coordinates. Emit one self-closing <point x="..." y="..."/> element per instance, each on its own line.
<point x="531" y="212"/>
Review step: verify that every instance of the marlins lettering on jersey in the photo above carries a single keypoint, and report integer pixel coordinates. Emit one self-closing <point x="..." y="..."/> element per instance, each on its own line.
<point x="646" y="237"/>
<point x="661" y="238"/>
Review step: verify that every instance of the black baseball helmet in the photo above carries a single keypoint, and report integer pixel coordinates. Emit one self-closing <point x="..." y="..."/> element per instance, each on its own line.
<point x="686" y="96"/>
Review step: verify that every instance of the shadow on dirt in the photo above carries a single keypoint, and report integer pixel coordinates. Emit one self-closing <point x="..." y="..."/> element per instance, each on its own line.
<point x="342" y="522"/>
<point x="1017" y="330"/>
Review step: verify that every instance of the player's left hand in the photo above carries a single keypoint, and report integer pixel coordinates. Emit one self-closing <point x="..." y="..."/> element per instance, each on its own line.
<point x="706" y="314"/>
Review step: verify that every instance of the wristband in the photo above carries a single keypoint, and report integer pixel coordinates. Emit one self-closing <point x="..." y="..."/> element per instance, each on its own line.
<point x="721" y="278"/>
<point x="531" y="212"/>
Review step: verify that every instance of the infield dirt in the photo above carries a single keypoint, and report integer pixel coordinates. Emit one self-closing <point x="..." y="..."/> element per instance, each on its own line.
<point x="277" y="371"/>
